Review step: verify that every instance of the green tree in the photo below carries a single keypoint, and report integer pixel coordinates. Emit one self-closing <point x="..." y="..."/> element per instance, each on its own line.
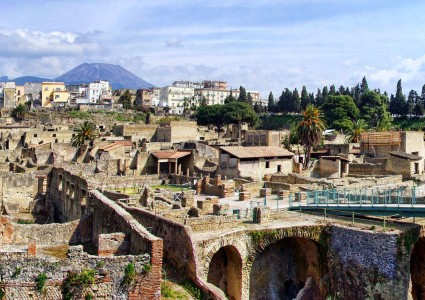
<point x="305" y="99"/>
<point x="125" y="99"/>
<point x="230" y="98"/>
<point x="19" y="112"/>
<point x="340" y="112"/>
<point x="364" y="87"/>
<point x="319" y="100"/>
<point x="242" y="94"/>
<point x="412" y="98"/>
<point x="310" y="125"/>
<point x="271" y="103"/>
<point x="359" y="126"/>
<point x="419" y="109"/>
<point x="296" y="101"/>
<point x="85" y="132"/>
<point x="249" y="98"/>
<point x="285" y="100"/>
<point x="398" y="105"/>
<point x="212" y="115"/>
<point x="240" y="113"/>
<point x="374" y="110"/>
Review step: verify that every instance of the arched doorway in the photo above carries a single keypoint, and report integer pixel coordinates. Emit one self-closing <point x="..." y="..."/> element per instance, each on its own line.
<point x="417" y="270"/>
<point x="225" y="271"/>
<point x="289" y="268"/>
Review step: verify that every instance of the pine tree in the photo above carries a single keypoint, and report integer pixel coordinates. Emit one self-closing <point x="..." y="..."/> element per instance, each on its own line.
<point x="242" y="94"/>
<point x="296" y="101"/>
<point x="332" y="90"/>
<point x="304" y="98"/>
<point x="319" y="98"/>
<point x="411" y="102"/>
<point x="364" y="87"/>
<point x="271" y="103"/>
<point x="325" y="91"/>
<point x="398" y="105"/>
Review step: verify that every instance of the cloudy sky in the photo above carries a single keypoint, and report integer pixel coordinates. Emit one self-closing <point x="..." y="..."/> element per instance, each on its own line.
<point x="263" y="45"/>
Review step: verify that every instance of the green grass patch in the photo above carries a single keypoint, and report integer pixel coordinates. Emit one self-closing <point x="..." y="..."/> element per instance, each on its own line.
<point x="194" y="290"/>
<point x="170" y="187"/>
<point x="168" y="292"/>
<point x="25" y="222"/>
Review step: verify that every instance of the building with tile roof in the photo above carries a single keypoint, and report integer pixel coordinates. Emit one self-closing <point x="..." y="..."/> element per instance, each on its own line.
<point x="254" y="162"/>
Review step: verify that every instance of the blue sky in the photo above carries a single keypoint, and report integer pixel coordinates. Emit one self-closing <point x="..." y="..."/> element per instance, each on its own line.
<point x="263" y="45"/>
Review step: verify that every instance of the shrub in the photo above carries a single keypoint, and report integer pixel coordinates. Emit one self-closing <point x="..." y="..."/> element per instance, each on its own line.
<point x="129" y="274"/>
<point x="40" y="280"/>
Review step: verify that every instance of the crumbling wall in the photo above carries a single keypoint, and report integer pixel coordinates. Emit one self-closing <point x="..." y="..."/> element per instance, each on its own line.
<point x="19" y="190"/>
<point x="19" y="272"/>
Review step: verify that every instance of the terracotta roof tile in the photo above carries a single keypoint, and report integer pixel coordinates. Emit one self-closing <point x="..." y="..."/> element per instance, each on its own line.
<point x="256" y="152"/>
<point x="170" y="154"/>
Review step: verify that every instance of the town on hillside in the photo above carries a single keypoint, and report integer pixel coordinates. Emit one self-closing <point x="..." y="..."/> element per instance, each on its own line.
<point x="201" y="191"/>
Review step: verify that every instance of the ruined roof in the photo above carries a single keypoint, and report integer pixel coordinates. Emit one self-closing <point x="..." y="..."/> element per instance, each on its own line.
<point x="256" y="152"/>
<point x="170" y="154"/>
<point x="124" y="143"/>
<point x="110" y="147"/>
<point x="405" y="155"/>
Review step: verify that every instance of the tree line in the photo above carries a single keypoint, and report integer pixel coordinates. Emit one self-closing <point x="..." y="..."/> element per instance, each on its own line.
<point x="345" y="106"/>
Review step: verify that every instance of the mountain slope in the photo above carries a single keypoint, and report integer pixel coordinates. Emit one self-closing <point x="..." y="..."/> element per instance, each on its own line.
<point x="117" y="76"/>
<point x="24" y="79"/>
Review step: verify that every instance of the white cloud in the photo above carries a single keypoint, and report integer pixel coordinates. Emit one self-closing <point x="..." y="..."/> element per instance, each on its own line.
<point x="35" y="44"/>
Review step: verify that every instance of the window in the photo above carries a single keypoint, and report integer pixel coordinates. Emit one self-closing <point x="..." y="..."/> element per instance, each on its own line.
<point x="415" y="153"/>
<point x="267" y="164"/>
<point x="57" y="96"/>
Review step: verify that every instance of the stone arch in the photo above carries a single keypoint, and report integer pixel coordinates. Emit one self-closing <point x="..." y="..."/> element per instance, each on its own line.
<point x="225" y="271"/>
<point x="289" y="267"/>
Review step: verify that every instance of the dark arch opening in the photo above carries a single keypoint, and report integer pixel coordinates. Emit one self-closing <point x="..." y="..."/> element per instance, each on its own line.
<point x="225" y="272"/>
<point x="289" y="268"/>
<point x="417" y="270"/>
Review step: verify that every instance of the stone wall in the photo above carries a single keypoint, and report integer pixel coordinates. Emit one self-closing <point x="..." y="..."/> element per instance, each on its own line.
<point x="367" y="169"/>
<point x="78" y="231"/>
<point x="19" y="271"/>
<point x="367" y="265"/>
<point x="177" y="237"/>
<point x="19" y="190"/>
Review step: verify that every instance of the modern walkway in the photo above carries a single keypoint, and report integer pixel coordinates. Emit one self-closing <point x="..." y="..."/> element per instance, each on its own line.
<point x="399" y="201"/>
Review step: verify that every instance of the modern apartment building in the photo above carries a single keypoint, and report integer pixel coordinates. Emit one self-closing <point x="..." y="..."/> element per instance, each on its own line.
<point x="53" y="93"/>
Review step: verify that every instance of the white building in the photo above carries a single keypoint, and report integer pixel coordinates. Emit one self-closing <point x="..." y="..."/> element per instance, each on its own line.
<point x="174" y="97"/>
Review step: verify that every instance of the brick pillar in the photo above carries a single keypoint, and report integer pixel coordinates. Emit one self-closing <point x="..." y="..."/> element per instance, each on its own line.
<point x="148" y="286"/>
<point x="32" y="248"/>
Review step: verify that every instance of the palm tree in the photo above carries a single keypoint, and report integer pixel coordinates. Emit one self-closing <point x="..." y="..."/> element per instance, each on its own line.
<point x="354" y="134"/>
<point x="20" y="111"/>
<point x="309" y="129"/>
<point x="86" y="132"/>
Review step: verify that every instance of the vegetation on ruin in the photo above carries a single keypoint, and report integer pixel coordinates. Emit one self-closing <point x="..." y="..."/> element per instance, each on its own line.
<point x="85" y="132"/>
<point x="2" y="294"/>
<point x="147" y="268"/>
<point x="407" y="239"/>
<point x="17" y="272"/>
<point x="20" y="112"/>
<point x="167" y="291"/>
<point x="25" y="222"/>
<point x="88" y="296"/>
<point x="85" y="278"/>
<point x="40" y="281"/>
<point x="262" y="235"/>
<point x="129" y="274"/>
